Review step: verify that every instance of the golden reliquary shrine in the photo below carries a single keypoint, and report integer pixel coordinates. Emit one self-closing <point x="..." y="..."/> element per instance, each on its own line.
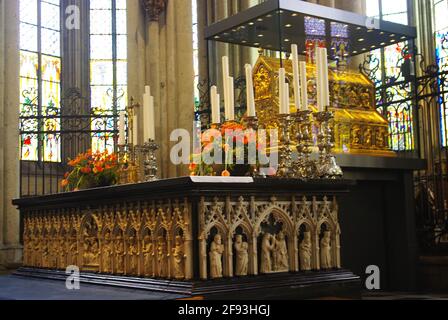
<point x="358" y="127"/>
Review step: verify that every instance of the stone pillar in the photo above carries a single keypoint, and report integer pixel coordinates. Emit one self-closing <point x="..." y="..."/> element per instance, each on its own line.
<point x="161" y="34"/>
<point x="10" y="249"/>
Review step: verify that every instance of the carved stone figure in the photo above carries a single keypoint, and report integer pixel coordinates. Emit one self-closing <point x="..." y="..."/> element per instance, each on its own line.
<point x="133" y="256"/>
<point x="148" y="256"/>
<point x="267" y="246"/>
<point x="62" y="257"/>
<point x="216" y="251"/>
<point x="325" y="251"/>
<point x="119" y="254"/>
<point x="179" y="258"/>
<point x="107" y="254"/>
<point x="73" y="252"/>
<point x="242" y="257"/>
<point x="162" y="257"/>
<point x="305" y="251"/>
<point x="281" y="262"/>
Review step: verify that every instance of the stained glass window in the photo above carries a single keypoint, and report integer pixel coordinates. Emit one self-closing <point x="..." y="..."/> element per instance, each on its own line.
<point x="441" y="38"/>
<point x="393" y="96"/>
<point x="40" y="80"/>
<point x="108" y="69"/>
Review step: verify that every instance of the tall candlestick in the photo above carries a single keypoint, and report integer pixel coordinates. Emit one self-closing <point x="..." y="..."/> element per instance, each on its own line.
<point x="296" y="72"/>
<point x="304" y="86"/>
<point x="250" y="92"/>
<point x="152" y="120"/>
<point x="281" y="89"/>
<point x="121" y="134"/>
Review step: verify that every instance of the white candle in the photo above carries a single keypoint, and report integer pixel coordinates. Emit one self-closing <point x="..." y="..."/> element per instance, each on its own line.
<point x="225" y="83"/>
<point x="231" y="96"/>
<point x="148" y="117"/>
<point x="215" y="105"/>
<point x="318" y="80"/>
<point x="250" y="92"/>
<point x="218" y="108"/>
<point x="281" y="89"/>
<point x="325" y="82"/>
<point x="148" y="90"/>
<point x="304" y="85"/>
<point x="287" y="110"/>
<point x="135" y="127"/>
<point x="296" y="72"/>
<point x="121" y="134"/>
<point x="152" y="119"/>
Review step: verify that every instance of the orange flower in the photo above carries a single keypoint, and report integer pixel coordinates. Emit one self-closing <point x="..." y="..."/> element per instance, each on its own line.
<point x="225" y="173"/>
<point x="86" y="170"/>
<point x="192" y="167"/>
<point x="64" y="183"/>
<point x="98" y="169"/>
<point x="74" y="163"/>
<point x="192" y="174"/>
<point x="66" y="175"/>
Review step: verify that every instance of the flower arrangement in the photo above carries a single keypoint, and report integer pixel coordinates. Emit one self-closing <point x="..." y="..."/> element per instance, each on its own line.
<point x="91" y="170"/>
<point x="232" y="140"/>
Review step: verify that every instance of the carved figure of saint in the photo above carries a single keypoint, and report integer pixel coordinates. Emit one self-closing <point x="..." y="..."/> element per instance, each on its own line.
<point x="107" y="254"/>
<point x="119" y="254"/>
<point x="325" y="251"/>
<point x="148" y="256"/>
<point x="62" y="261"/>
<point x="242" y="257"/>
<point x="267" y="246"/>
<point x="45" y="254"/>
<point x="73" y="252"/>
<point x="162" y="256"/>
<point x="133" y="255"/>
<point x="179" y="258"/>
<point x="281" y="253"/>
<point x="305" y="251"/>
<point x="216" y="251"/>
<point x="37" y="254"/>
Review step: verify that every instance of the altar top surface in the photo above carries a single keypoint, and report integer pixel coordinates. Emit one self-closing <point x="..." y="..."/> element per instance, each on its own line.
<point x="276" y="24"/>
<point x="189" y="186"/>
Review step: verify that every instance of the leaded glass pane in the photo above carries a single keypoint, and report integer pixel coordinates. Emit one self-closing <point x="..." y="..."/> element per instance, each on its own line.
<point x="108" y="70"/>
<point x="28" y="11"/>
<point x="50" y="16"/>
<point x="29" y="63"/>
<point x="100" y="22"/>
<point x="100" y="47"/>
<point x="51" y="42"/>
<point x="28" y="37"/>
<point x="40" y="103"/>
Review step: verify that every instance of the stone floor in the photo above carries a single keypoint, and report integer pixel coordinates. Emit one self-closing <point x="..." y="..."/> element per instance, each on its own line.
<point x="18" y="288"/>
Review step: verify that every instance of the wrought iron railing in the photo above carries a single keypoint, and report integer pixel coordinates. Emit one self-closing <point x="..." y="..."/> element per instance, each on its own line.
<point x="75" y="128"/>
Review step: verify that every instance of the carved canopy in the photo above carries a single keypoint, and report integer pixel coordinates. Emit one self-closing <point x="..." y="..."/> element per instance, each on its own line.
<point x="154" y="8"/>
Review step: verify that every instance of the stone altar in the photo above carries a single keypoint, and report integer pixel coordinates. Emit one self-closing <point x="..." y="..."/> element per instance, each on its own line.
<point x="204" y="234"/>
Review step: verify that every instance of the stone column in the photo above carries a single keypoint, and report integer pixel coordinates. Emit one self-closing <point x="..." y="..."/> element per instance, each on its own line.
<point x="168" y="68"/>
<point x="10" y="249"/>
